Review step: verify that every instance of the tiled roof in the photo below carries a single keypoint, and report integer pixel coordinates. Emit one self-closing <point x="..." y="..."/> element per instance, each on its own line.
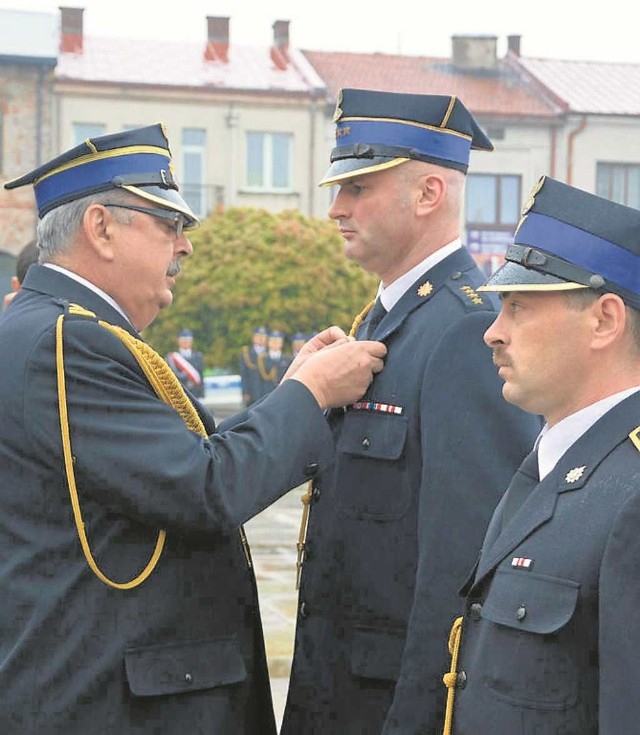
<point x="504" y="92"/>
<point x="182" y="64"/>
<point x="590" y="86"/>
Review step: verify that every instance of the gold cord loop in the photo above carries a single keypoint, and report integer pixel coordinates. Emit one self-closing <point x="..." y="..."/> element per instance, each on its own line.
<point x="360" y="318"/>
<point x="167" y="388"/>
<point x="450" y="679"/>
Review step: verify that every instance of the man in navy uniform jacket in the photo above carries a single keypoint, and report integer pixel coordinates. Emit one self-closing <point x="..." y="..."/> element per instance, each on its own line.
<point x="398" y="518"/>
<point x="551" y="631"/>
<point x="128" y="601"/>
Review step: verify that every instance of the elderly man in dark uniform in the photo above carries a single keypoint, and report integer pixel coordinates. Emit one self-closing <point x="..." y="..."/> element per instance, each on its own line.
<point x="551" y="631"/>
<point x="398" y="518"/>
<point x="128" y="598"/>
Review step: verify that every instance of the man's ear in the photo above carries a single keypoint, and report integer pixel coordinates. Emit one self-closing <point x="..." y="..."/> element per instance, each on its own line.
<point x="432" y="189"/>
<point x="609" y="320"/>
<point x="15" y="283"/>
<point x="98" y="226"/>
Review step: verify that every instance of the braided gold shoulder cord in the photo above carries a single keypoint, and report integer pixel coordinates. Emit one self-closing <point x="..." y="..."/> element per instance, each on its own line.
<point x="168" y="389"/>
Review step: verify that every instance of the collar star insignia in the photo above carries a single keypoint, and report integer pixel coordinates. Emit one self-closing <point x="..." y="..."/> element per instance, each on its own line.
<point x="425" y="289"/>
<point x="575" y="474"/>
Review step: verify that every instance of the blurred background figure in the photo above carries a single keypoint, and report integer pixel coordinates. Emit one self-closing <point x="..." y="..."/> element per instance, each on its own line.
<point x="272" y="364"/>
<point x="27" y="256"/>
<point x="249" y="375"/>
<point x="188" y="364"/>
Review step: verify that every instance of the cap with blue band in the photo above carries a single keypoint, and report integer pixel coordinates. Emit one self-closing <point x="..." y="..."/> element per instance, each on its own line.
<point x="377" y="130"/>
<point x="137" y="160"/>
<point x="571" y="239"/>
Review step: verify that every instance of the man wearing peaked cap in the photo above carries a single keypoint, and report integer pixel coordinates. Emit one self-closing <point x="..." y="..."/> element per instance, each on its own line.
<point x="188" y="364"/>
<point x="128" y="598"/>
<point x="379" y="130"/>
<point x="397" y="520"/>
<point x="550" y="631"/>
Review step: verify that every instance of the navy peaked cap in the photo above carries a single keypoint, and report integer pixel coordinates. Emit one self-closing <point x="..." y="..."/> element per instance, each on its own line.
<point x="377" y="130"/>
<point x="570" y="239"/>
<point x="137" y="160"/>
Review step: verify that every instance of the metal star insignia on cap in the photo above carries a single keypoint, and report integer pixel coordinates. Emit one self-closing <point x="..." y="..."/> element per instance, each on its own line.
<point x="575" y="474"/>
<point x="425" y="289"/>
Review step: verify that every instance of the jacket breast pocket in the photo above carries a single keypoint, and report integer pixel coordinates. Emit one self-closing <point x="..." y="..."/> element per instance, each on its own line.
<point x="530" y="659"/>
<point x="371" y="466"/>
<point x="376" y="654"/>
<point x="177" y="668"/>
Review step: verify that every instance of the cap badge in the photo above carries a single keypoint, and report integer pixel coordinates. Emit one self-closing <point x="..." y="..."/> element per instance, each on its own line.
<point x="530" y="202"/>
<point x="575" y="474"/>
<point x="337" y="114"/>
<point x="425" y="289"/>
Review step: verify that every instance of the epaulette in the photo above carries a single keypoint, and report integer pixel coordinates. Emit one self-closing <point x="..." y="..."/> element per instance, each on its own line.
<point x="71" y="309"/>
<point x="468" y="295"/>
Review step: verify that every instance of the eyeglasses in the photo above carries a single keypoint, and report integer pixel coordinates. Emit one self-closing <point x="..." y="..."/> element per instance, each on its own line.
<point x="176" y="218"/>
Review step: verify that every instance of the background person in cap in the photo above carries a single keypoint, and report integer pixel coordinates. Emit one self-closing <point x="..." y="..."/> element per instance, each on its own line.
<point x="249" y="376"/>
<point x="415" y="476"/>
<point x="26" y="257"/>
<point x="551" y="632"/>
<point x="272" y="363"/>
<point x="188" y="364"/>
<point x="128" y="597"/>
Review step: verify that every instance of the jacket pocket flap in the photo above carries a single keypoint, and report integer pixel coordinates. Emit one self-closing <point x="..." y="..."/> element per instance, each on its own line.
<point x="376" y="654"/>
<point x="184" y="667"/>
<point x="535" y="603"/>
<point x="373" y="435"/>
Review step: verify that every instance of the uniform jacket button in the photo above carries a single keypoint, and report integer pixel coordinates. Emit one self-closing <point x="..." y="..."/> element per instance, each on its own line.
<point x="455" y="276"/>
<point x="311" y="470"/>
<point x="461" y="680"/>
<point x="475" y="610"/>
<point x="366" y="443"/>
<point x="188" y="678"/>
<point x="303" y="610"/>
<point x="521" y="613"/>
<point x="315" y="494"/>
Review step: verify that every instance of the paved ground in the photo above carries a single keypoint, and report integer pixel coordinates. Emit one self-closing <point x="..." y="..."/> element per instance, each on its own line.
<point x="273" y="536"/>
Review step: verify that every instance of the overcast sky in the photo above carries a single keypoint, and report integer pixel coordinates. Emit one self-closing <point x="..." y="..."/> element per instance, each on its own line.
<point x="561" y="29"/>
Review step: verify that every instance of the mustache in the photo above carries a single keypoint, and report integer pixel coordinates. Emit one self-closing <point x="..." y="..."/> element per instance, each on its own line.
<point x="174" y="268"/>
<point x="500" y="358"/>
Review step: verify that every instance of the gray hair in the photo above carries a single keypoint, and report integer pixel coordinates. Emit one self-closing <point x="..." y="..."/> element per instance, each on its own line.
<point x="58" y="228"/>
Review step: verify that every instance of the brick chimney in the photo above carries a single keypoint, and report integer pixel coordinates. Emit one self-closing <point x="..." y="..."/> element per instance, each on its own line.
<point x="280" y="48"/>
<point x="71" y="32"/>
<point x="513" y="44"/>
<point x="217" y="48"/>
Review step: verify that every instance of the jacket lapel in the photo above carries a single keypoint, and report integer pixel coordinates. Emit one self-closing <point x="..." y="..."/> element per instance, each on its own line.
<point x="422" y="291"/>
<point x="569" y="475"/>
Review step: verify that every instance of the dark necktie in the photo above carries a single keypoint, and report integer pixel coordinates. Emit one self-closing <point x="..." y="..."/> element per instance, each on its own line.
<point x="522" y="483"/>
<point x="374" y="318"/>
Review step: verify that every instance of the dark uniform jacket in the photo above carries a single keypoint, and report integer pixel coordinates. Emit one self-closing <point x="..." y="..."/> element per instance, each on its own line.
<point x="249" y="376"/>
<point x="552" y="632"/>
<point x="183" y="652"/>
<point x="416" y="476"/>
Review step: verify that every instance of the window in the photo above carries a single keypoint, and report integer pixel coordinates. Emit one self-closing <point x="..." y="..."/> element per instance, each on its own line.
<point x="193" y="169"/>
<point x="269" y="160"/>
<point x="619" y="182"/>
<point x="493" y="204"/>
<point x="82" y="131"/>
<point x="493" y="200"/>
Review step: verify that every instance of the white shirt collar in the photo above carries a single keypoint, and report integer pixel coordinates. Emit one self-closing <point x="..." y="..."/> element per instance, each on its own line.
<point x="89" y="285"/>
<point x="394" y="292"/>
<point x="553" y="442"/>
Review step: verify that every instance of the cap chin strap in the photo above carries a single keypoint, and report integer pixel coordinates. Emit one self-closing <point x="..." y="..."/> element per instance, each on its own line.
<point x="168" y="389"/>
<point x="550" y="265"/>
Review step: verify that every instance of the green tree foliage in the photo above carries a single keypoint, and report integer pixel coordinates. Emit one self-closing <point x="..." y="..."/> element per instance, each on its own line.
<point x="253" y="267"/>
